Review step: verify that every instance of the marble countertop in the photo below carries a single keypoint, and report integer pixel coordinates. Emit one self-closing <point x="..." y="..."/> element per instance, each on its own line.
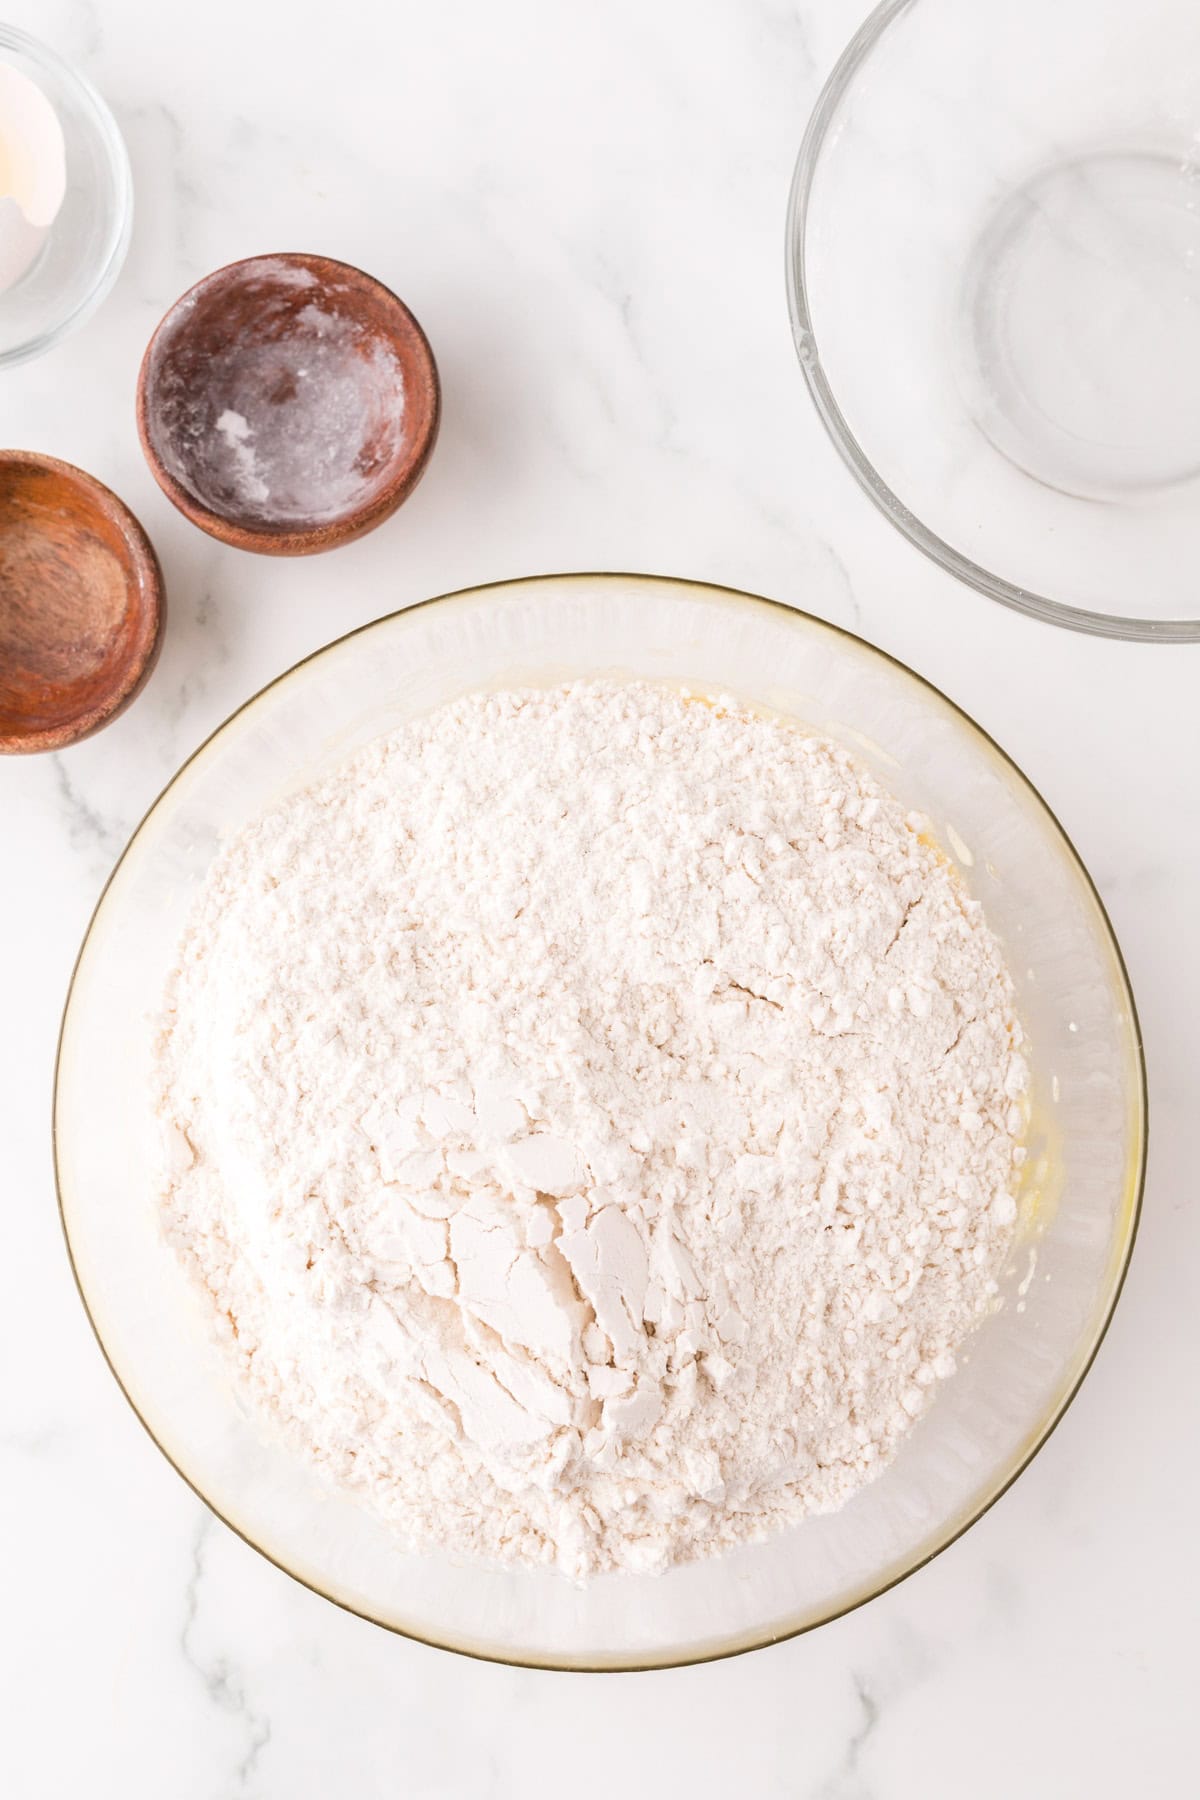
<point x="584" y="207"/>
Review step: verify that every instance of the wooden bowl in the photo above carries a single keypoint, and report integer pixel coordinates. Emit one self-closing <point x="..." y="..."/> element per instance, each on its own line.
<point x="81" y="604"/>
<point x="288" y="404"/>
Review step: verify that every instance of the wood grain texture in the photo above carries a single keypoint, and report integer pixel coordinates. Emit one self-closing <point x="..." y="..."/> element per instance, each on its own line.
<point x="82" y="603"/>
<point x="252" y="341"/>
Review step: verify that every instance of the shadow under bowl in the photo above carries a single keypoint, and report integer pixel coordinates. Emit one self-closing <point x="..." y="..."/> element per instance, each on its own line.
<point x="82" y="604"/>
<point x="288" y="404"/>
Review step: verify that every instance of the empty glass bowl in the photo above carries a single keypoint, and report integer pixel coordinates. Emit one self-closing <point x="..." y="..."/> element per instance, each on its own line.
<point x="87" y="241"/>
<point x="1086" y="1140"/>
<point x="994" y="277"/>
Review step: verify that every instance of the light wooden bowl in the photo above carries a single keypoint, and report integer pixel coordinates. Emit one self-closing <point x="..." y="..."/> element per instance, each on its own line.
<point x="82" y="604"/>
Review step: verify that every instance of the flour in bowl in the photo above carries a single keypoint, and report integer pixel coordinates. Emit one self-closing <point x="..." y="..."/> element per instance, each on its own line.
<point x="594" y="1116"/>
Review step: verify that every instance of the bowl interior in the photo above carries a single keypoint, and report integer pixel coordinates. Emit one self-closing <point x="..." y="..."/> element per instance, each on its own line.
<point x="81" y="615"/>
<point x="86" y="244"/>
<point x="1087" y="1130"/>
<point x="1001" y="326"/>
<point x="288" y="395"/>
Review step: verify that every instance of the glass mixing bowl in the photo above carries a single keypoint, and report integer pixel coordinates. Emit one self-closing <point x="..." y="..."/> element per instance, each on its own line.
<point x="994" y="279"/>
<point x="86" y="244"/>
<point x="1087" y="1135"/>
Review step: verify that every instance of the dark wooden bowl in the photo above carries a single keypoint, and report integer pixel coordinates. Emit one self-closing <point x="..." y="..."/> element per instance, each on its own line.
<point x="288" y="404"/>
<point x="81" y="604"/>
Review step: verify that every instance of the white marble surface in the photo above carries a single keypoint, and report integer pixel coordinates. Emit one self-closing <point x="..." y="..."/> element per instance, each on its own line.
<point x="584" y="207"/>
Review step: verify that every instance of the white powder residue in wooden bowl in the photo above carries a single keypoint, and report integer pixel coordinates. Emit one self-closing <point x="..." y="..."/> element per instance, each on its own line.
<point x="303" y="429"/>
<point x="594" y="1116"/>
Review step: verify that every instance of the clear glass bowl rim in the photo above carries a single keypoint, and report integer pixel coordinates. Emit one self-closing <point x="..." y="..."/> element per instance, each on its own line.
<point x="984" y="581"/>
<point x="498" y="591"/>
<point x="12" y="38"/>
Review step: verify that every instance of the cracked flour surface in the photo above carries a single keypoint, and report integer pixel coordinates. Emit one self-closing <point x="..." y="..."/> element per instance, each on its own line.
<point x="594" y="1115"/>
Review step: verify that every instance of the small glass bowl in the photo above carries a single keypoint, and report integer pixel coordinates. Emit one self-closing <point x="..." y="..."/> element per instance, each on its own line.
<point x="87" y="242"/>
<point x="994" y="280"/>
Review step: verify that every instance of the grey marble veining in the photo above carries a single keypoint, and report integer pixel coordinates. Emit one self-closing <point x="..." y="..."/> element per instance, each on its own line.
<point x="222" y="1681"/>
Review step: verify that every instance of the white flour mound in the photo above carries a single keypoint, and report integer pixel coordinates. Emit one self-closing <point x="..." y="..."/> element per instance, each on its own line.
<point x="594" y="1115"/>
